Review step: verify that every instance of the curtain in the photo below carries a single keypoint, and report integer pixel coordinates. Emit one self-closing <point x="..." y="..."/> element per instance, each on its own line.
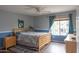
<point x="70" y="24"/>
<point x="51" y="21"/>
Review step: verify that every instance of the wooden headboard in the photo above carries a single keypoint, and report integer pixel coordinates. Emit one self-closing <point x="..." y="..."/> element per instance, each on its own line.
<point x="18" y="30"/>
<point x="15" y="30"/>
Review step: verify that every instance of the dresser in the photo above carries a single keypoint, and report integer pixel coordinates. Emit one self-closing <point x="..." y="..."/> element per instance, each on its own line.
<point x="9" y="41"/>
<point x="70" y="44"/>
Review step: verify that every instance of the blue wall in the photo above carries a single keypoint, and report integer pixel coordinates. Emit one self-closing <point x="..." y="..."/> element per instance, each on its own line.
<point x="2" y="35"/>
<point x="59" y="38"/>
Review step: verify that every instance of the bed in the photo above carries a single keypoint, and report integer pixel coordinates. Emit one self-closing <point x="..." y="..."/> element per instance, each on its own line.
<point x="35" y="40"/>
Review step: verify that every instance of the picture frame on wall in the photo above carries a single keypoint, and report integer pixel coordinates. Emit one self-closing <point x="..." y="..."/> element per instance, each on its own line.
<point x="20" y="23"/>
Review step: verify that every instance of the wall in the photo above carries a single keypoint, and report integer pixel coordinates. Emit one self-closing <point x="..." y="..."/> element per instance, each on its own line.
<point x="42" y="22"/>
<point x="77" y="28"/>
<point x="8" y="21"/>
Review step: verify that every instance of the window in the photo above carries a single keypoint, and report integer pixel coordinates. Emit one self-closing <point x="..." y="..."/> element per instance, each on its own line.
<point x="60" y="27"/>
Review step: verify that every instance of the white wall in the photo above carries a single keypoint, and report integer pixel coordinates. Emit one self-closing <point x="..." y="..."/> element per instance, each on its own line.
<point x="77" y="28"/>
<point x="42" y="22"/>
<point x="8" y="21"/>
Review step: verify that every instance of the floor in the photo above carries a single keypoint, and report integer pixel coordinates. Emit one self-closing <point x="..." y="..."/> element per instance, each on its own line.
<point x="54" y="48"/>
<point x="50" y="48"/>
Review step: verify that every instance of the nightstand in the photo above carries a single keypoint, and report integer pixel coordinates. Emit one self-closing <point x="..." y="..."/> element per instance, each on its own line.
<point x="9" y="41"/>
<point x="70" y="46"/>
<point x="70" y="43"/>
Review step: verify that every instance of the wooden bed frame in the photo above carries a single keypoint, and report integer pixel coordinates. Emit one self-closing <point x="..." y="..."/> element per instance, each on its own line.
<point x="42" y="40"/>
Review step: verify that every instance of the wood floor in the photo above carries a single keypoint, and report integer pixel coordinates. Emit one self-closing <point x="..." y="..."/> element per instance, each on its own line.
<point x="50" y="48"/>
<point x="54" y="48"/>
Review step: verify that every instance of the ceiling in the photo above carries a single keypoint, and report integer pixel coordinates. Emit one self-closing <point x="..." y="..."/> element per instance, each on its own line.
<point x="36" y="10"/>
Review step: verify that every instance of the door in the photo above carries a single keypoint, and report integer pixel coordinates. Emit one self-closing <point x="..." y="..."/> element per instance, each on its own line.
<point x="59" y="30"/>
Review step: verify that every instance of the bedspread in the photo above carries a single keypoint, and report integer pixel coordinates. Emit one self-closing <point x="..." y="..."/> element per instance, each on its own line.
<point x="29" y="38"/>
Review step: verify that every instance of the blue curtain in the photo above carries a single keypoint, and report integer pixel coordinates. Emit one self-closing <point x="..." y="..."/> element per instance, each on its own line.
<point x="51" y="21"/>
<point x="70" y="24"/>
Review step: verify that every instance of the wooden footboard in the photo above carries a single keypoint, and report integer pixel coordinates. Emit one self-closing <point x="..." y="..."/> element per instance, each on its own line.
<point x="43" y="40"/>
